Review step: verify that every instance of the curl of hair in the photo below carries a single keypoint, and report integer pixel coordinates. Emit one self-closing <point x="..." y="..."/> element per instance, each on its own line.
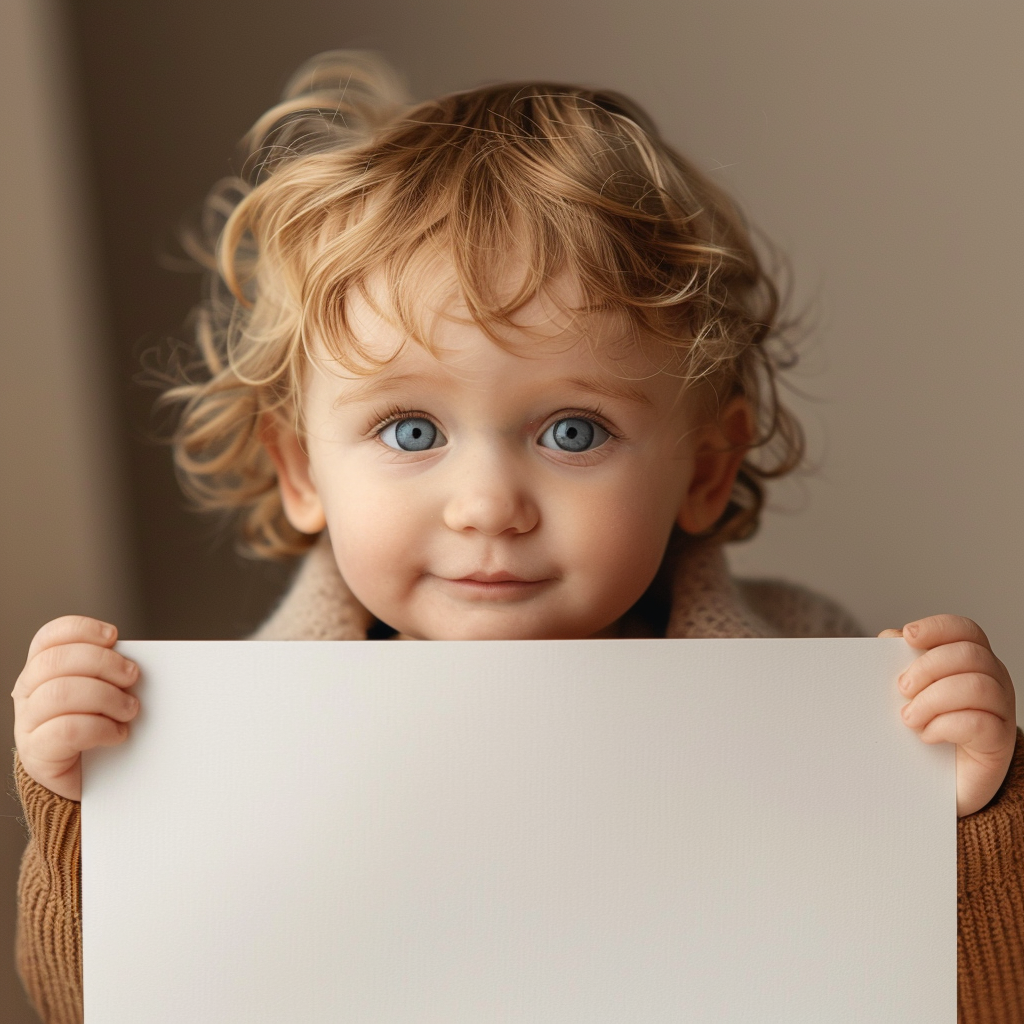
<point x="346" y="178"/>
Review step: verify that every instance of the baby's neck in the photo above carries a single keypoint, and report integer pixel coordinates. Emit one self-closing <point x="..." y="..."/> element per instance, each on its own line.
<point x="630" y="626"/>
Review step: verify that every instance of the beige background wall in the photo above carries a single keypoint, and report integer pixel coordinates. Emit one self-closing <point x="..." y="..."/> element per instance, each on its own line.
<point x="879" y="144"/>
<point x="60" y="517"/>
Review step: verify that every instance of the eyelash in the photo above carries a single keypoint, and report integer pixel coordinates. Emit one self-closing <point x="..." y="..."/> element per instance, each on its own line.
<point x="594" y="415"/>
<point x="382" y="420"/>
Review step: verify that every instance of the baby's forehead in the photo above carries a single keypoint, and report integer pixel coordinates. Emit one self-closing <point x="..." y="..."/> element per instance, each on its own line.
<point x="433" y="286"/>
<point x="530" y="319"/>
<point x="523" y="367"/>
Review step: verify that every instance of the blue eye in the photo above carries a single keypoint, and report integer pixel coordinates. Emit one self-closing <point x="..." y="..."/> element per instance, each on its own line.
<point x="412" y="435"/>
<point x="574" y="435"/>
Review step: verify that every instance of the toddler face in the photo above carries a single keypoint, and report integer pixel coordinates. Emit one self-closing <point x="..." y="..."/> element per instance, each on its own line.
<point x="488" y="493"/>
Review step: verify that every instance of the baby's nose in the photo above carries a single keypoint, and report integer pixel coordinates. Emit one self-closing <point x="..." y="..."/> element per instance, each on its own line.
<point x="491" y="501"/>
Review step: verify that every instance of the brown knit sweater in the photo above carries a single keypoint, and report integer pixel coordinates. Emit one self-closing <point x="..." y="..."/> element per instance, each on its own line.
<point x="704" y="601"/>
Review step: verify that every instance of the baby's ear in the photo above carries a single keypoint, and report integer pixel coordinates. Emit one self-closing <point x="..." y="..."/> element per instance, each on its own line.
<point x="720" y="446"/>
<point x="298" y="492"/>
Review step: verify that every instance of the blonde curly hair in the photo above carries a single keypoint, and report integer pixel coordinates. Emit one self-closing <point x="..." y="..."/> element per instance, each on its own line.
<point x="345" y="177"/>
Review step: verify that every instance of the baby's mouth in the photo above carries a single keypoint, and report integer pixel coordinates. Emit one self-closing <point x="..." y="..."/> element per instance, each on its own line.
<point x="495" y="577"/>
<point x="494" y="585"/>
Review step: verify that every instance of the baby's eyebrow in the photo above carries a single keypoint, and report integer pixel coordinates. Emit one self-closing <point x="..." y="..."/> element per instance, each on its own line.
<point x="380" y="384"/>
<point x="386" y="383"/>
<point x="616" y="387"/>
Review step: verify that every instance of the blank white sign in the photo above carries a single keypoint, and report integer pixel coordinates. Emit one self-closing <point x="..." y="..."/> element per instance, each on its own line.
<point x="715" y="831"/>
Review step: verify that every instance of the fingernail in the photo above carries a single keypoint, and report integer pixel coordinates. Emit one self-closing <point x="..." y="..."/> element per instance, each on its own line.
<point x="903" y="682"/>
<point x="911" y="629"/>
<point x="905" y="710"/>
<point x="132" y="671"/>
<point x="108" y="632"/>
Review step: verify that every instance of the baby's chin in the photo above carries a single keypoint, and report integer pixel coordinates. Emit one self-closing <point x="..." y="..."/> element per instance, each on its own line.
<point x="496" y="627"/>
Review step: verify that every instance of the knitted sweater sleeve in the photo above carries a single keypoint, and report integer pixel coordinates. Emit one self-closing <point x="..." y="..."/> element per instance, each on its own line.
<point x="990" y="905"/>
<point x="48" y="943"/>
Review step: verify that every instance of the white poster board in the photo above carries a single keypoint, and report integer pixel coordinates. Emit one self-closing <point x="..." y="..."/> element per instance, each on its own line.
<point x="713" y="831"/>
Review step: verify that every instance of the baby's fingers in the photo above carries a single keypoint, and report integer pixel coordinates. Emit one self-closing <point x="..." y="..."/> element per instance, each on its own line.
<point x="979" y="732"/>
<point x="953" y="659"/>
<point x="75" y="660"/>
<point x="70" y="695"/>
<point x="943" y="629"/>
<point x="57" y="744"/>
<point x="72" y="629"/>
<point x="970" y="691"/>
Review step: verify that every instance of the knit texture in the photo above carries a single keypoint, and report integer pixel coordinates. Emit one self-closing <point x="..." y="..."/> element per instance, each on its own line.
<point x="704" y="601"/>
<point x="990" y="905"/>
<point x="48" y="942"/>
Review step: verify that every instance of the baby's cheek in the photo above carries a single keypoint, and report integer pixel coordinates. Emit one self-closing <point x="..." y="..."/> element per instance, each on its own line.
<point x="369" y="551"/>
<point x="623" y="542"/>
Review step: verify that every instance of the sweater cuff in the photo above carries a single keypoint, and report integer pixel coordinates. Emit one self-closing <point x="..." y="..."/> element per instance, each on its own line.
<point x="990" y="842"/>
<point x="54" y="822"/>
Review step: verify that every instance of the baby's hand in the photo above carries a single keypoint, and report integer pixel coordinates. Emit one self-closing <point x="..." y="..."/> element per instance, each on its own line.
<point x="69" y="698"/>
<point x="961" y="693"/>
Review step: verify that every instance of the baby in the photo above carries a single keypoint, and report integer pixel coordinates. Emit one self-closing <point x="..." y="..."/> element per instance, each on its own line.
<point x="501" y="363"/>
